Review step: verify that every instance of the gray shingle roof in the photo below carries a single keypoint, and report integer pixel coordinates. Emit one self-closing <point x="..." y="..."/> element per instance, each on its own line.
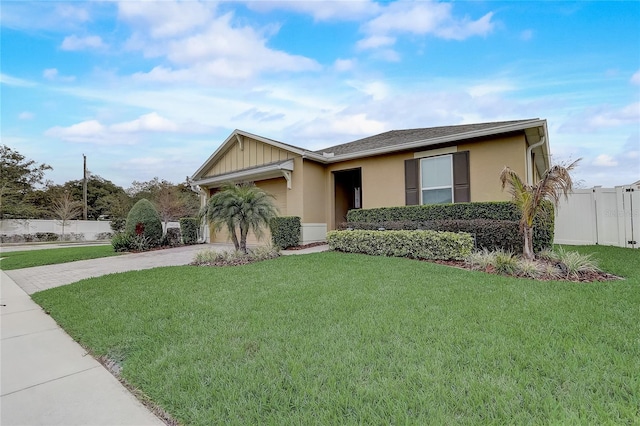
<point x="399" y="137"/>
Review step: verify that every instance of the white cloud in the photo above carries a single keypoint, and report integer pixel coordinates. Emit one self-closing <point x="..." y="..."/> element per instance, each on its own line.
<point x="600" y="117"/>
<point x="465" y="28"/>
<point x="212" y="51"/>
<point x="322" y="10"/>
<point x="53" y="75"/>
<point x="604" y="160"/>
<point x="342" y="65"/>
<point x="167" y="18"/>
<point x="128" y="132"/>
<point x="422" y="18"/>
<point x="378" y="90"/>
<point x="490" y="88"/>
<point x="73" y="13"/>
<point x="15" y="81"/>
<point x="26" y="115"/>
<point x="45" y="15"/>
<point x="331" y="129"/>
<point x="74" y="42"/>
<point x="635" y="78"/>
<point x="146" y="123"/>
<point x="87" y="131"/>
<point x="619" y="165"/>
<point x="375" y="41"/>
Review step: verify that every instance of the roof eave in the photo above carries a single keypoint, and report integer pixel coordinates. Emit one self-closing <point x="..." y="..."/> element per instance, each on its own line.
<point x="258" y="173"/>
<point x="435" y="141"/>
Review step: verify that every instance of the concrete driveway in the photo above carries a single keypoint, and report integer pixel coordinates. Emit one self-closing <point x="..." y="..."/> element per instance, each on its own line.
<point x="39" y="278"/>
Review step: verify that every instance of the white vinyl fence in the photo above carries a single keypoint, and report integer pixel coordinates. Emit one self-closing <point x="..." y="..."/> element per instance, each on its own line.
<point x="604" y="216"/>
<point x="78" y="230"/>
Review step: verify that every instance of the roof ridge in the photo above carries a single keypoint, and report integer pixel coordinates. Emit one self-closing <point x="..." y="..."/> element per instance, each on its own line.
<point x="426" y="133"/>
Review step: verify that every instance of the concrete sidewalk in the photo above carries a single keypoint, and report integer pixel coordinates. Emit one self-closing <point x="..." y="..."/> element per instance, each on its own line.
<point x="47" y="378"/>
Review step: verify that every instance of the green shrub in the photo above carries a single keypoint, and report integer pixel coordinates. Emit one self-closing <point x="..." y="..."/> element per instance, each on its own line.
<point x="487" y="234"/>
<point x="505" y="262"/>
<point x="234" y="257"/>
<point x="141" y="243"/>
<point x="285" y="231"/>
<point x="143" y="219"/>
<point x="47" y="236"/>
<point x="413" y="244"/>
<point x="572" y="264"/>
<point x="503" y="211"/>
<point x="122" y="241"/>
<point x="189" y="230"/>
<point x="171" y="238"/>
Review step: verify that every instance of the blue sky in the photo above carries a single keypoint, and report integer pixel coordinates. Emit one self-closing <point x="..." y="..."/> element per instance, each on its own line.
<point x="149" y="89"/>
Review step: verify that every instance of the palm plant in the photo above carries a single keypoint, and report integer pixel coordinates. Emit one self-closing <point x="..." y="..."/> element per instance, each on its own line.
<point x="555" y="182"/>
<point x="240" y="208"/>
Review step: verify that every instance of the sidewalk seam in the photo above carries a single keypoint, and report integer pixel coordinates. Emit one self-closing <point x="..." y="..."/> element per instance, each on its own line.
<point x="29" y="334"/>
<point x="53" y="380"/>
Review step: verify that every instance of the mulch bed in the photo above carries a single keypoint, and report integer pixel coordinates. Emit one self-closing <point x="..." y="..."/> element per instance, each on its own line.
<point x="306" y="246"/>
<point x="583" y="277"/>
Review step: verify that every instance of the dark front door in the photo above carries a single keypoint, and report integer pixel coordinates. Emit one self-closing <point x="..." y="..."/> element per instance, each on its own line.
<point x="348" y="193"/>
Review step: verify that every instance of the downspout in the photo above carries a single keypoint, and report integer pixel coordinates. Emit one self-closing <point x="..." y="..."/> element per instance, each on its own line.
<point x="528" y="162"/>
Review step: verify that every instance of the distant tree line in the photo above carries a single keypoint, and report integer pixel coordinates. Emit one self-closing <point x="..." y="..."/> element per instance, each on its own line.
<point x="25" y="194"/>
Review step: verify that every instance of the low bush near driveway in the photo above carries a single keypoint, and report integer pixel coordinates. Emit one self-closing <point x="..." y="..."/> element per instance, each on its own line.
<point x="233" y="257"/>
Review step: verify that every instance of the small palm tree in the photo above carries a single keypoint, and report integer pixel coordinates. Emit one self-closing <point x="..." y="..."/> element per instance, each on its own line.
<point x="528" y="198"/>
<point x="240" y="207"/>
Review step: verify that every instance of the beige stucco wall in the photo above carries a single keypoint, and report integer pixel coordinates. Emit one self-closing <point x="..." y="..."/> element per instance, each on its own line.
<point x="277" y="188"/>
<point x="295" y="195"/>
<point x="315" y="196"/>
<point x="253" y="153"/>
<point x="382" y="182"/>
<point x="486" y="161"/>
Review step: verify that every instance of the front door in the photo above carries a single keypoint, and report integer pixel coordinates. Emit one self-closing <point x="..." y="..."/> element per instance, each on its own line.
<point x="348" y="193"/>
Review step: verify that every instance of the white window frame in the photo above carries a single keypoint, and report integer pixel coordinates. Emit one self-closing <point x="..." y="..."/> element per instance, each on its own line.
<point x="424" y="159"/>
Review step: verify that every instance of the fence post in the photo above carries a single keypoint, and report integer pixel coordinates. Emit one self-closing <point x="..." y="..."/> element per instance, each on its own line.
<point x="621" y="216"/>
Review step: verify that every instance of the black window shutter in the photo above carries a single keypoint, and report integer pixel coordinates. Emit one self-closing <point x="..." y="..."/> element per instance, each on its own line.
<point x="461" y="179"/>
<point x="412" y="181"/>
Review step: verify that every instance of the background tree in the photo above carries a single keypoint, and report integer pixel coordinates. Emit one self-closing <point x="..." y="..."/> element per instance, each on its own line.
<point x="18" y="178"/>
<point x="65" y="208"/>
<point x="241" y="208"/>
<point x="172" y="201"/>
<point x="555" y="182"/>
<point x="101" y="193"/>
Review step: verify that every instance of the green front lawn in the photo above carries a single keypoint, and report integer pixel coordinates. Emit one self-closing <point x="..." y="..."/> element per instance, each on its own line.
<point x="335" y="338"/>
<point x="30" y="258"/>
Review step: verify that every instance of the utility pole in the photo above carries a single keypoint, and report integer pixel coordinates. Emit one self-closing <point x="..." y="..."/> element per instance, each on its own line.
<point x="84" y="188"/>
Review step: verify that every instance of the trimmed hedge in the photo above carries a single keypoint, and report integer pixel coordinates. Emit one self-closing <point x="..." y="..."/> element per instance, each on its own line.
<point x="144" y="217"/>
<point x="285" y="231"/>
<point x="432" y="245"/>
<point x="487" y="234"/>
<point x="189" y="230"/>
<point x="494" y="211"/>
